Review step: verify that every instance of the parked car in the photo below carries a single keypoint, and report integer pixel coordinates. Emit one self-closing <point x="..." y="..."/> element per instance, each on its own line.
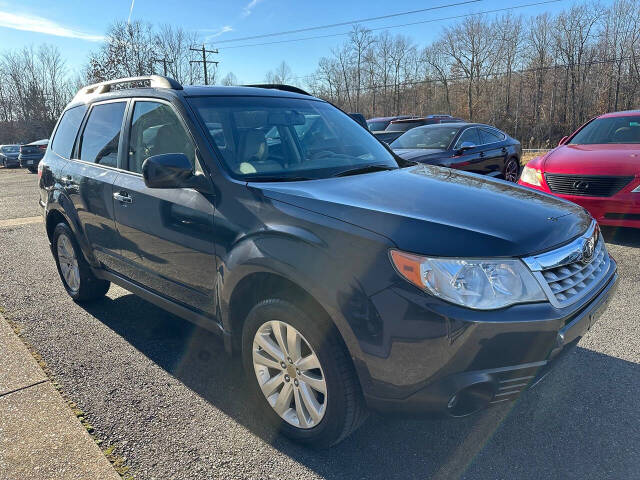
<point x="9" y="155"/>
<point x="597" y="167"/>
<point x="345" y="278"/>
<point x="358" y="117"/>
<point x="32" y="153"/>
<point x="378" y="124"/>
<point x="474" y="147"/>
<point x="398" y="127"/>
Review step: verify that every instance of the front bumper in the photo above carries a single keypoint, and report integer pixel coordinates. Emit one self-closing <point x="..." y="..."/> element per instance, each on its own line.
<point x="620" y="210"/>
<point x="456" y="361"/>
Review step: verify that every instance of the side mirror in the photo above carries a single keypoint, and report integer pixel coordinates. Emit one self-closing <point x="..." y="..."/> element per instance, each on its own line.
<point x="172" y="170"/>
<point x="562" y="140"/>
<point x="465" y="146"/>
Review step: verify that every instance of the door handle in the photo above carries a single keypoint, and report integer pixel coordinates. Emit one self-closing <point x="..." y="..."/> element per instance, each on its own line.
<point x="123" y="197"/>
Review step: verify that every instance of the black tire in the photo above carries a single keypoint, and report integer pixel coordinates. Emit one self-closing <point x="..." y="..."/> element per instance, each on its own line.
<point x="512" y="165"/>
<point x="91" y="287"/>
<point x="345" y="409"/>
<point x="32" y="170"/>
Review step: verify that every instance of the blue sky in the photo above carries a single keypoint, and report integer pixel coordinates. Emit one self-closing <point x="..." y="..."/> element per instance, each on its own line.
<point x="77" y="26"/>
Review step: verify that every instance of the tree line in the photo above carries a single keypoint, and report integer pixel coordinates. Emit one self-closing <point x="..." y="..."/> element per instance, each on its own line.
<point x="537" y="78"/>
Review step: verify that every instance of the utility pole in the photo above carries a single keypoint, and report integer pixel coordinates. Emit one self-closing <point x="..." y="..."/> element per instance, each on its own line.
<point x="204" y="60"/>
<point x="164" y="62"/>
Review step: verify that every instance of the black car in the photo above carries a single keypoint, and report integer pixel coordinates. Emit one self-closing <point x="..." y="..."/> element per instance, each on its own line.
<point x="473" y="147"/>
<point x="397" y="127"/>
<point x="9" y="155"/>
<point x="378" y="124"/>
<point x="345" y="277"/>
<point x="32" y="153"/>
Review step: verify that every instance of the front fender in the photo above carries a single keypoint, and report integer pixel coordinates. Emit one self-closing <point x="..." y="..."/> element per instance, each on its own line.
<point x="303" y="259"/>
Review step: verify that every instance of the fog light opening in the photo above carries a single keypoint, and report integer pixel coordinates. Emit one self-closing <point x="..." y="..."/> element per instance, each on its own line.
<point x="470" y="399"/>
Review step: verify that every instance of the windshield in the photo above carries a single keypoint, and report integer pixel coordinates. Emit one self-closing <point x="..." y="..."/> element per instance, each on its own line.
<point x="267" y="138"/>
<point x="11" y="149"/>
<point x="609" y="130"/>
<point x="429" y="136"/>
<point x="377" y="126"/>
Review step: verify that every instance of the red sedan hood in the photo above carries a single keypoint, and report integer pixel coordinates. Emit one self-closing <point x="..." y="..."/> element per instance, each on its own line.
<point x="594" y="160"/>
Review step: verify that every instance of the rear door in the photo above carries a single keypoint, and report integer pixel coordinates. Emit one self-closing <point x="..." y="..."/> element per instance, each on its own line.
<point x="166" y="235"/>
<point x="494" y="151"/>
<point x="88" y="178"/>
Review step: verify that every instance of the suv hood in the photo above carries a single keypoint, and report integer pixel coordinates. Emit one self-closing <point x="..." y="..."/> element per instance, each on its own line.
<point x="594" y="160"/>
<point x="441" y="212"/>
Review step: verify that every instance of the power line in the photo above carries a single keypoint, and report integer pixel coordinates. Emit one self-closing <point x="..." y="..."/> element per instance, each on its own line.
<point x="496" y="10"/>
<point x="164" y="62"/>
<point x="204" y="60"/>
<point x="350" y="22"/>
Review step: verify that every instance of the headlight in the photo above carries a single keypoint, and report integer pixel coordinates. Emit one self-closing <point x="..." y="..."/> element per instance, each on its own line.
<point x="532" y="176"/>
<point x="473" y="283"/>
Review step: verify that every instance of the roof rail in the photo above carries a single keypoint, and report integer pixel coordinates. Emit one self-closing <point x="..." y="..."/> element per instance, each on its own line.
<point x="277" y="86"/>
<point x="148" y="81"/>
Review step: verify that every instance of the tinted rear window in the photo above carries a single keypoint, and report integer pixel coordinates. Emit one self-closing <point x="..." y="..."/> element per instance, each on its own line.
<point x="67" y="129"/>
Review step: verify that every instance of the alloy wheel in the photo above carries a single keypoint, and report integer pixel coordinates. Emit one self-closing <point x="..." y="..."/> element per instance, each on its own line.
<point x="511" y="171"/>
<point x="68" y="262"/>
<point x="289" y="374"/>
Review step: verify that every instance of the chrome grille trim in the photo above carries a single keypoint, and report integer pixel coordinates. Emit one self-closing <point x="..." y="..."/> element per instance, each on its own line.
<point x="564" y="278"/>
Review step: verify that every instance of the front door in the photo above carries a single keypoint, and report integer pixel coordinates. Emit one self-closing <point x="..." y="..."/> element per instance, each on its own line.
<point x="166" y="235"/>
<point x="470" y="159"/>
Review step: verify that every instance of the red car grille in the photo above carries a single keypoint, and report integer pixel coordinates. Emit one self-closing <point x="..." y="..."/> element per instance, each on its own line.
<point x="586" y="185"/>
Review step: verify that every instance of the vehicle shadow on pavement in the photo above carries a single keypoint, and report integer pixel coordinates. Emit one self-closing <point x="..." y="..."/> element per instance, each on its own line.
<point x="581" y="421"/>
<point x="627" y="237"/>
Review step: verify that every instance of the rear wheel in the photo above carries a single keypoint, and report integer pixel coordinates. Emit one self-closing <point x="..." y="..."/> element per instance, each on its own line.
<point x="301" y="374"/>
<point x="512" y="170"/>
<point x="76" y="275"/>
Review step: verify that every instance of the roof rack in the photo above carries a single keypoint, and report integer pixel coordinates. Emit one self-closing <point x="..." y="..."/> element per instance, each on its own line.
<point x="277" y="86"/>
<point x="148" y="81"/>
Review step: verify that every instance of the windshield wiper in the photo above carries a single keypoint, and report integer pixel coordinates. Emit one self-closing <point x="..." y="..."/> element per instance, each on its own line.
<point x="274" y="178"/>
<point x="363" y="169"/>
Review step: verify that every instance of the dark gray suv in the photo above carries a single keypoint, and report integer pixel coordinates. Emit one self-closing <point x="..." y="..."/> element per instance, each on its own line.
<point x="345" y="277"/>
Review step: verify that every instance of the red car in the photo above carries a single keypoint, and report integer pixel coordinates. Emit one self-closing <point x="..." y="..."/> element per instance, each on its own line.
<point x="598" y="167"/>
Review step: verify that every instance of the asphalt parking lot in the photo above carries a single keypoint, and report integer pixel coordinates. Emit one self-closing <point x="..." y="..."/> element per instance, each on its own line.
<point x="173" y="404"/>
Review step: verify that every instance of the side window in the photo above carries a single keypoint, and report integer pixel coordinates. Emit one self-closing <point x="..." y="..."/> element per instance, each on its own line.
<point x="101" y="136"/>
<point x="67" y="130"/>
<point x="469" y="135"/>
<point x="156" y="129"/>
<point x="489" y="136"/>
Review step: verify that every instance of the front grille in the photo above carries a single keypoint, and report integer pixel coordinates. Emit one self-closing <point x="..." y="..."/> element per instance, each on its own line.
<point x="586" y="185"/>
<point x="568" y="283"/>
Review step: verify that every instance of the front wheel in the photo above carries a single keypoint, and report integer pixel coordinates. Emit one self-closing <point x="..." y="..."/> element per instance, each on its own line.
<point x="76" y="275"/>
<point x="512" y="170"/>
<point x="300" y="374"/>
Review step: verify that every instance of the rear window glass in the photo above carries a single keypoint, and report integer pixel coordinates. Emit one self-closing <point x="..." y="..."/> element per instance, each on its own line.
<point x="101" y="136"/>
<point x="67" y="129"/>
<point x="490" y="136"/>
